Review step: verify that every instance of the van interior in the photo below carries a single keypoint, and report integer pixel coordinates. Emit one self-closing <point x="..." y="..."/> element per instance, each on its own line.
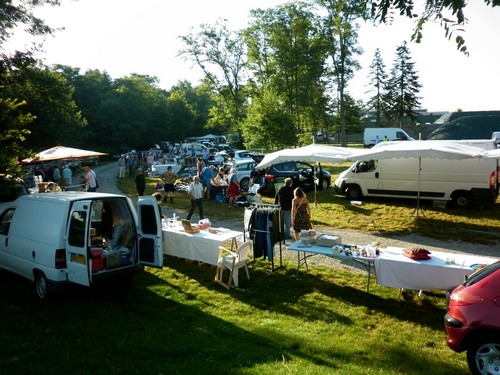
<point x="112" y="234"/>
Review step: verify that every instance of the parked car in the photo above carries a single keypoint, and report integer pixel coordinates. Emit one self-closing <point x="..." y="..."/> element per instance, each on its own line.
<point x="472" y="322"/>
<point x="244" y="168"/>
<point x="245" y="154"/>
<point x="158" y="169"/>
<point x="303" y="174"/>
<point x="217" y="158"/>
<point x="227" y="148"/>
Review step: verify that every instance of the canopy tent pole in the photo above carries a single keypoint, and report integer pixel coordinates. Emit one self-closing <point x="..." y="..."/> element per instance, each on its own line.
<point x="417" y="210"/>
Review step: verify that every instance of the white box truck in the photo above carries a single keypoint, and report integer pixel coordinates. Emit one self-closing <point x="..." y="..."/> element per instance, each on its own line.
<point x="461" y="181"/>
<point x="372" y="136"/>
<point x="56" y="239"/>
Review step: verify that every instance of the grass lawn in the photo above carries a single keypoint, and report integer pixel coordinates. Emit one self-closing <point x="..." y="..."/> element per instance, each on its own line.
<point x="177" y="320"/>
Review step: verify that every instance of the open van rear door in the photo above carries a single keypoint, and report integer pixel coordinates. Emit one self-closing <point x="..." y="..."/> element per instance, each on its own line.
<point x="77" y="238"/>
<point x="150" y="233"/>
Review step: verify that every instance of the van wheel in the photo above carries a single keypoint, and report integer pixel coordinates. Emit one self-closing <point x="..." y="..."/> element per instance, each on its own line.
<point x="41" y="286"/>
<point x="245" y="184"/>
<point x="461" y="199"/>
<point x="353" y="192"/>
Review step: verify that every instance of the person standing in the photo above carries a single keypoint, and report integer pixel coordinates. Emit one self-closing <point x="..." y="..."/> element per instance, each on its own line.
<point x="67" y="176"/>
<point x="150" y="160"/>
<point x="140" y="182"/>
<point x="233" y="190"/>
<point x="195" y="192"/>
<point x="206" y="176"/>
<point x="122" y="165"/>
<point x="130" y="165"/>
<point x="284" y="197"/>
<point x="169" y="178"/>
<point x="200" y="164"/>
<point x="90" y="178"/>
<point x="56" y="175"/>
<point x="301" y="212"/>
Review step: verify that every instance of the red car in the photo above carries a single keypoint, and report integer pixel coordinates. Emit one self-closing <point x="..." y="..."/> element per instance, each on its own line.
<point x="472" y="322"/>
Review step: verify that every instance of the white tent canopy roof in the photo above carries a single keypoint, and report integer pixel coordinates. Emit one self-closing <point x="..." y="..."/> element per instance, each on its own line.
<point x="312" y="153"/>
<point x="61" y="153"/>
<point x="491" y="154"/>
<point x="424" y="149"/>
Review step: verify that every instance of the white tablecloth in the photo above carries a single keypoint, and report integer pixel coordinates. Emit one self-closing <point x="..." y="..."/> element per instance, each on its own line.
<point x="395" y="270"/>
<point x="202" y="246"/>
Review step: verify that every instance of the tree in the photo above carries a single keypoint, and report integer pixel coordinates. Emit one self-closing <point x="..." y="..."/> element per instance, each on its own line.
<point x="286" y="56"/>
<point x="91" y="92"/>
<point x="402" y="88"/>
<point x="268" y="123"/>
<point x="433" y="10"/>
<point x="378" y="80"/>
<point x="20" y="13"/>
<point x="13" y="122"/>
<point x="220" y="53"/>
<point x="340" y="29"/>
<point x="49" y="98"/>
<point x="15" y="14"/>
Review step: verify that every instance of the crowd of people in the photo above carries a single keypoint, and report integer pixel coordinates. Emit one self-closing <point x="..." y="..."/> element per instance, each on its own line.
<point x="62" y="175"/>
<point x="206" y="184"/>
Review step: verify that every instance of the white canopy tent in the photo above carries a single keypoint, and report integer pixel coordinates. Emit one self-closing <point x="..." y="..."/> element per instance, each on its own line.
<point x="420" y="149"/>
<point x="490" y="154"/>
<point x="61" y="153"/>
<point x="312" y="153"/>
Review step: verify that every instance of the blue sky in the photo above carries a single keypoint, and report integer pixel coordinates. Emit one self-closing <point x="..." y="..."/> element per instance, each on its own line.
<point x="127" y="36"/>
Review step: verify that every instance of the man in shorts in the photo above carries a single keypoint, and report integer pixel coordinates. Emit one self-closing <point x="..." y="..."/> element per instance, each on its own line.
<point x="169" y="178"/>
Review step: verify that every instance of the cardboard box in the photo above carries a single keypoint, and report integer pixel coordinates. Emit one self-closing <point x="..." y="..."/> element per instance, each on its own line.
<point x="327" y="240"/>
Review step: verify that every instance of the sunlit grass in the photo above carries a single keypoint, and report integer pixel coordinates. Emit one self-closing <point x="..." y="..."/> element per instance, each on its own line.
<point x="376" y="215"/>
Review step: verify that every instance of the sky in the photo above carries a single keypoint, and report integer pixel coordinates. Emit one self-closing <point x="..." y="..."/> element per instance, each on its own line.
<point x="122" y="37"/>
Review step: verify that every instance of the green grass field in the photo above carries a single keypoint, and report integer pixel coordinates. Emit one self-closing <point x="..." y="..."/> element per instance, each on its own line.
<point x="177" y="320"/>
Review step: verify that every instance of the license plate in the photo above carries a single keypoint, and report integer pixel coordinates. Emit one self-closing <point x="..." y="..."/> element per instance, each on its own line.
<point x="77" y="258"/>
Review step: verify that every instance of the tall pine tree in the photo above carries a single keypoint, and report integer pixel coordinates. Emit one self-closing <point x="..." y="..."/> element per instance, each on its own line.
<point x="402" y="89"/>
<point x="378" y="79"/>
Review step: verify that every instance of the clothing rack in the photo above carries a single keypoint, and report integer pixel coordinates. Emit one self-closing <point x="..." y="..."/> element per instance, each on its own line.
<point x="278" y="208"/>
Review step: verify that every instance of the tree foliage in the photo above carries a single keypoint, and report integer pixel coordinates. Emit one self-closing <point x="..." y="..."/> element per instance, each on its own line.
<point x="378" y="79"/>
<point x="287" y="53"/>
<point x="402" y="88"/>
<point x="341" y="31"/>
<point x="220" y="53"/>
<point x="49" y="99"/>
<point x="14" y="122"/>
<point x="13" y="116"/>
<point x="432" y="10"/>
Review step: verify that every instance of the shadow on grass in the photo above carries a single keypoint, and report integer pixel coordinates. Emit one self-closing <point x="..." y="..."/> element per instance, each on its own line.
<point x="154" y="325"/>
<point x="282" y="292"/>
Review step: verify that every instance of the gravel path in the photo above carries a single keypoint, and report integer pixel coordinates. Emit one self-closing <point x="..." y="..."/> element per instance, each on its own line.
<point x="108" y="173"/>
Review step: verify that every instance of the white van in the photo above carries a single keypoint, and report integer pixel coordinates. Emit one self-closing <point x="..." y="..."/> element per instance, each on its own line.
<point x="56" y="239"/>
<point x="372" y="136"/>
<point x="197" y="148"/>
<point x="496" y="138"/>
<point x="462" y="181"/>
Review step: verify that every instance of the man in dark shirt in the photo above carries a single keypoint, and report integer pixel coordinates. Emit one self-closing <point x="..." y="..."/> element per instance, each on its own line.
<point x="284" y="197"/>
